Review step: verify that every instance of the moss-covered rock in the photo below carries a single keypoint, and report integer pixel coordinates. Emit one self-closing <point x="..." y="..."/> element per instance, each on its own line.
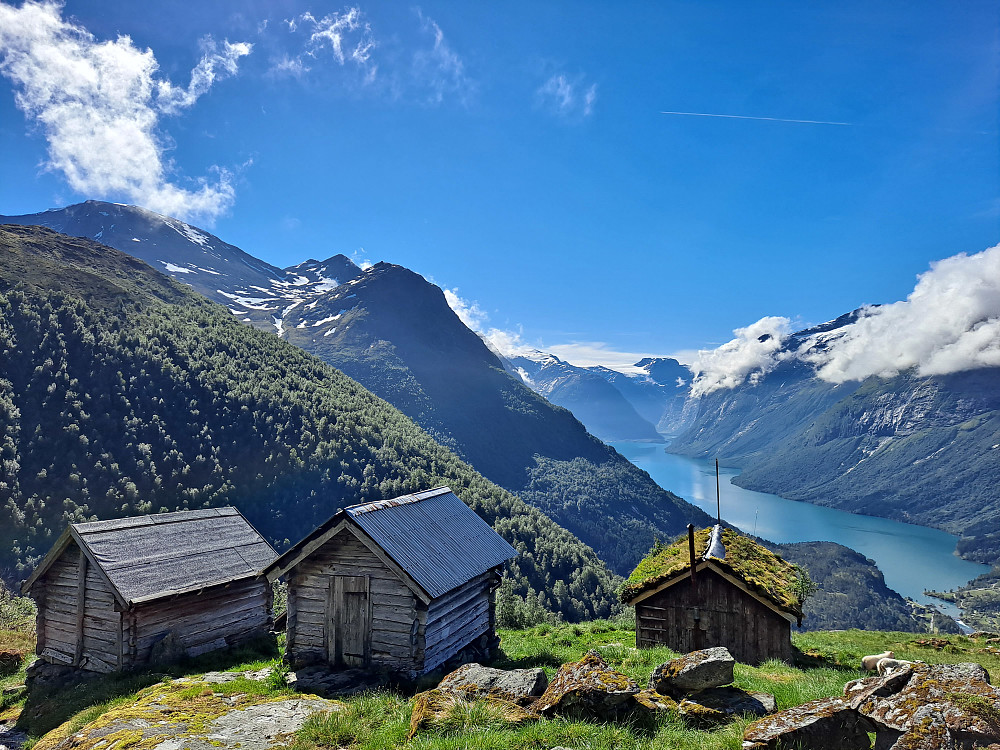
<point x="588" y="688"/>
<point x="698" y="670"/>
<point x="194" y="714"/>
<point x="439" y="708"/>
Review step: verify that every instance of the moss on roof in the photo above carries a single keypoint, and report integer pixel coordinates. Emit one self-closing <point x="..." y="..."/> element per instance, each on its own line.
<point x="762" y="571"/>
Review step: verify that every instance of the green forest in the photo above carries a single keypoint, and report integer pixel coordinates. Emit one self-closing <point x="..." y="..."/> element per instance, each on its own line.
<point x="123" y="393"/>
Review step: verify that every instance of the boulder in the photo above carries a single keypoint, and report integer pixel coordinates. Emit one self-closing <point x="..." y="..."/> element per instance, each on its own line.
<point x="823" y="724"/>
<point x="650" y="701"/>
<point x="435" y="707"/>
<point x="521" y="686"/>
<point x="699" y="670"/>
<point x="960" y="694"/>
<point x="190" y="713"/>
<point x="928" y="731"/>
<point x="858" y="692"/>
<point x="588" y="688"/>
<point x="720" y="705"/>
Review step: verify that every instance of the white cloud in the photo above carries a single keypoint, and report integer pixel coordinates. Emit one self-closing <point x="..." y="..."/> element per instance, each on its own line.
<point x="950" y="322"/>
<point x="439" y="68"/>
<point x="569" y="97"/>
<point x="468" y="312"/>
<point x="594" y="353"/>
<point x="347" y="36"/>
<point x="754" y="352"/>
<point x="99" y="106"/>
<point x="217" y="62"/>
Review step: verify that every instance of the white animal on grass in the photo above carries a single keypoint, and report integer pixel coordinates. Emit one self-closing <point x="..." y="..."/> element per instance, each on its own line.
<point x="887" y="665"/>
<point x="870" y="663"/>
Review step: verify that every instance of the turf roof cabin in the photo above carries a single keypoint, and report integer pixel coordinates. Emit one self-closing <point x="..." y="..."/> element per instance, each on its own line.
<point x="403" y="584"/>
<point x="741" y="596"/>
<point x="109" y="591"/>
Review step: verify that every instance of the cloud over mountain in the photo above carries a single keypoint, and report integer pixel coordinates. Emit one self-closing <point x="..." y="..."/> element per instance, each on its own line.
<point x="950" y="322"/>
<point x="99" y="103"/>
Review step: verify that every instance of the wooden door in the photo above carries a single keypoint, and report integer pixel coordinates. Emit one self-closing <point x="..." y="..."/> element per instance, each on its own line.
<point x="349" y="621"/>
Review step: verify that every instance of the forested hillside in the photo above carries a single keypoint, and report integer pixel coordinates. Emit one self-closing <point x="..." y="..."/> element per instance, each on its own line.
<point x="393" y="331"/>
<point x="121" y="392"/>
<point x="916" y="449"/>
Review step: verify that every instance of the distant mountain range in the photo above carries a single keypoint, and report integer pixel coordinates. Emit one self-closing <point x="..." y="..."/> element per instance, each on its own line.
<point x="646" y="404"/>
<point x="924" y="450"/>
<point x="124" y="392"/>
<point x="393" y="332"/>
<point x="153" y="399"/>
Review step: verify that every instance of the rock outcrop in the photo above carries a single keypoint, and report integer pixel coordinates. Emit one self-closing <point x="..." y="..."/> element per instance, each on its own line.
<point x="698" y="670"/>
<point x="823" y="724"/>
<point x="589" y="688"/>
<point x="916" y="706"/>
<point x="718" y="705"/>
<point x="194" y="713"/>
<point x="521" y="686"/>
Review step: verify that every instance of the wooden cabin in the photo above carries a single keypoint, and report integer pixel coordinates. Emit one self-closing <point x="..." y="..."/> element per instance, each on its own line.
<point x="716" y="588"/>
<point x="403" y="584"/>
<point x="109" y="591"/>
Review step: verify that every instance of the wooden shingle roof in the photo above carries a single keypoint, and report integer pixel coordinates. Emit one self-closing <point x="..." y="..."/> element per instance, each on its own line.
<point x="432" y="537"/>
<point x="148" y="557"/>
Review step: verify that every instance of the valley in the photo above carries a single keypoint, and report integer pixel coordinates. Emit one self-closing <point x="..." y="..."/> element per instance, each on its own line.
<point x="528" y="421"/>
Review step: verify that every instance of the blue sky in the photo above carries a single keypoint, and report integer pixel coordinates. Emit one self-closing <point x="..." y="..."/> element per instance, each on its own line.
<point x="518" y="153"/>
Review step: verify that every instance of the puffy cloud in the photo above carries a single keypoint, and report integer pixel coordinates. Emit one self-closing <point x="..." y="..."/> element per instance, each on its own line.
<point x="756" y="350"/>
<point x="99" y="106"/>
<point x="567" y="97"/>
<point x="950" y="322"/>
<point x="468" y="312"/>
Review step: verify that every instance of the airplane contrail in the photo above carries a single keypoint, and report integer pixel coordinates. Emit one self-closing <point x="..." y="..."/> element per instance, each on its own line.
<point x="747" y="117"/>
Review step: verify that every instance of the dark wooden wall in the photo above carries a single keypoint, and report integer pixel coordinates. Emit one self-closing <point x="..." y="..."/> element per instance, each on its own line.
<point x="77" y="622"/>
<point x="203" y="621"/>
<point x="396" y="618"/>
<point x="458" y="618"/>
<point x="716" y="613"/>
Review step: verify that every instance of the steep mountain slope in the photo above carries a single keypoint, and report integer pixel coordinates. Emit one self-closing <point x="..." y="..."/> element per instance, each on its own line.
<point x="658" y="393"/>
<point x="588" y="394"/>
<point x="917" y="449"/>
<point x="122" y="392"/>
<point x="394" y="332"/>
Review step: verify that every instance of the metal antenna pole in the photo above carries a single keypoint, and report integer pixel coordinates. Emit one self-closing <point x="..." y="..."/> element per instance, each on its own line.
<point x="718" y="496"/>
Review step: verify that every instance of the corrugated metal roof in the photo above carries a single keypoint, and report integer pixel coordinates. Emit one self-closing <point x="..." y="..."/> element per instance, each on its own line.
<point x="435" y="537"/>
<point x="148" y="556"/>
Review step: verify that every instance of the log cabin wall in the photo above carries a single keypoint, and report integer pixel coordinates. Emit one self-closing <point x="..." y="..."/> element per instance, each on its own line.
<point x="213" y="618"/>
<point x="77" y="621"/>
<point x="457" y="619"/>
<point x="395" y="617"/>
<point x="716" y="613"/>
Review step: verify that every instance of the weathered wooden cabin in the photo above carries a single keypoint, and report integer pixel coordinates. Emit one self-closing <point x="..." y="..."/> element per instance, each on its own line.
<point x="716" y="588"/>
<point x="109" y="591"/>
<point x="402" y="584"/>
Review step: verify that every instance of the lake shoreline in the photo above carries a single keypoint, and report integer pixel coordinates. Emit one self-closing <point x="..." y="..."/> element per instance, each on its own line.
<point x="912" y="558"/>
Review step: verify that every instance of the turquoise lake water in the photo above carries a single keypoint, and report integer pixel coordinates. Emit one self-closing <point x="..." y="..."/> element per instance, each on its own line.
<point x="913" y="558"/>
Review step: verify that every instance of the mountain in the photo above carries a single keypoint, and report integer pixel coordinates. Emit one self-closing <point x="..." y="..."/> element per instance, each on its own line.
<point x="658" y="391"/>
<point x="592" y="398"/>
<point x="123" y="392"/>
<point x="924" y="450"/>
<point x="393" y="332"/>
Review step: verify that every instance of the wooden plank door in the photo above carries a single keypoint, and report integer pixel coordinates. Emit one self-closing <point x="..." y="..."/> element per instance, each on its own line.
<point x="349" y="621"/>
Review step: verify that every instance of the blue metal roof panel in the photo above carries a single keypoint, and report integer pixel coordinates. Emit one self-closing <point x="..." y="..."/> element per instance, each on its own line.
<point x="435" y="537"/>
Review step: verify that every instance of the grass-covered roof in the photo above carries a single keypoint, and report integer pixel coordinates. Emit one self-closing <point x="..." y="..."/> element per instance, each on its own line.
<point x="763" y="572"/>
